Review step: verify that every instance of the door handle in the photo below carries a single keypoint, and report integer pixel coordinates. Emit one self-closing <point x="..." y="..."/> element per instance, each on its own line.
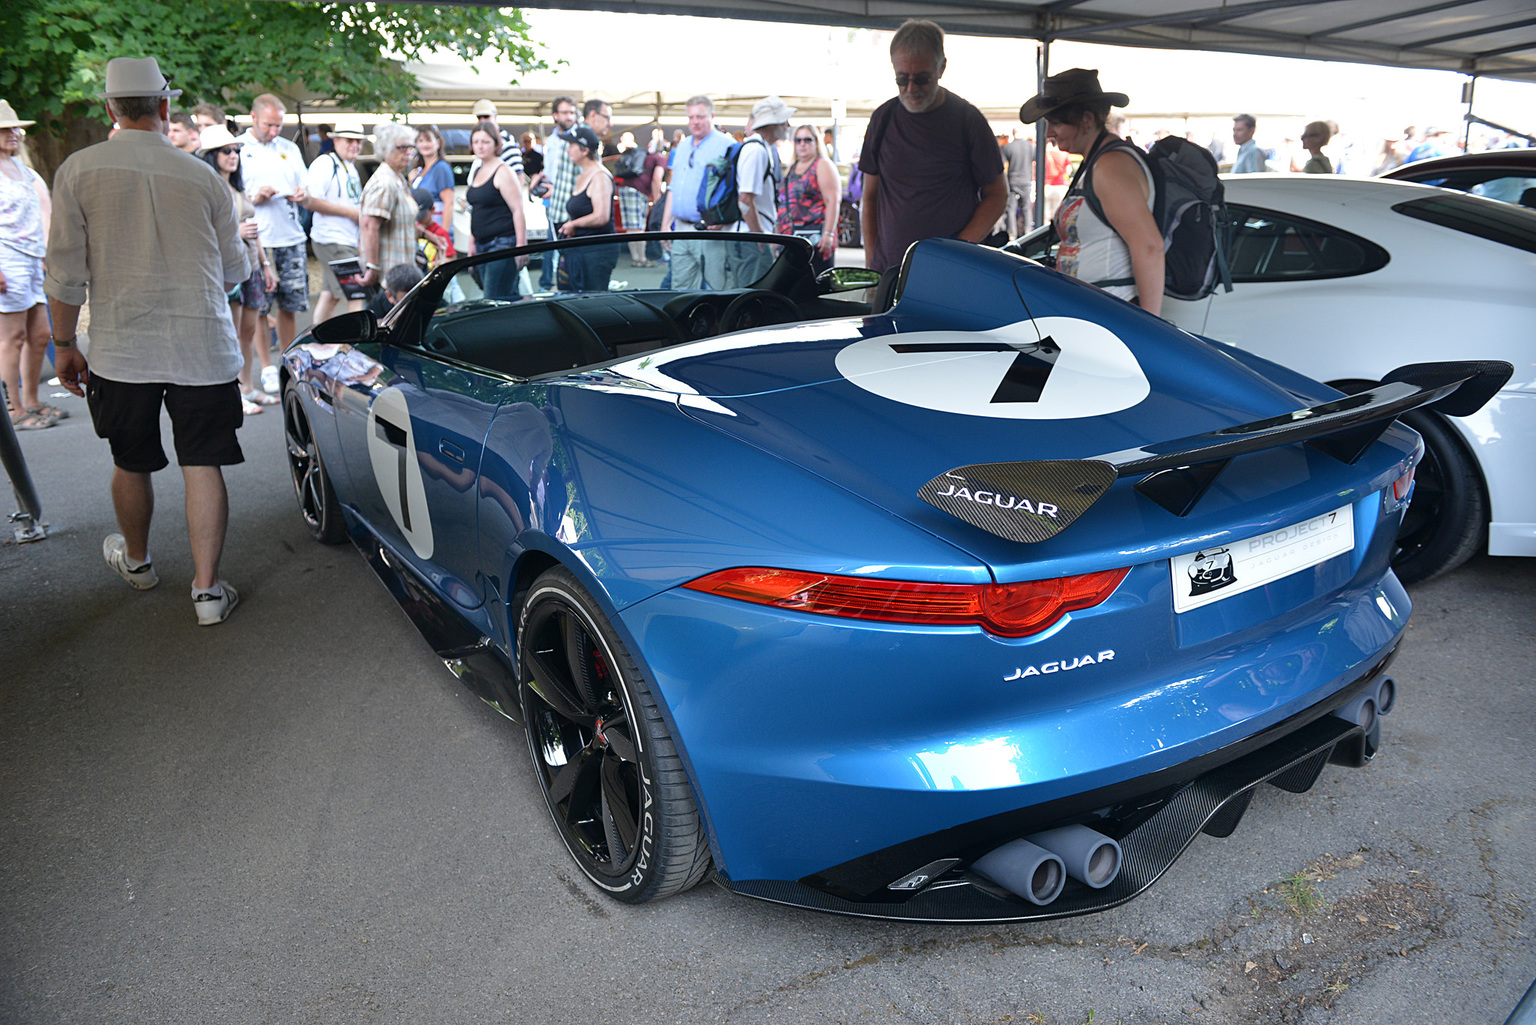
<point x="450" y="450"/>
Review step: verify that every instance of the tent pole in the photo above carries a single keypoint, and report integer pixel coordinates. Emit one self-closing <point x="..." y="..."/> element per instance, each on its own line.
<point x="1042" y="71"/>
<point x="1466" y="97"/>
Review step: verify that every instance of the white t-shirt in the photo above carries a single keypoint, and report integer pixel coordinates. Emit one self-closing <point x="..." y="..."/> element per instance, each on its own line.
<point x="757" y="173"/>
<point x="334" y="179"/>
<point x="279" y="164"/>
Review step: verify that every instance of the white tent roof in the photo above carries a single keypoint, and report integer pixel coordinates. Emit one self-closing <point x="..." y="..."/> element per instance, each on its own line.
<point x="1493" y="38"/>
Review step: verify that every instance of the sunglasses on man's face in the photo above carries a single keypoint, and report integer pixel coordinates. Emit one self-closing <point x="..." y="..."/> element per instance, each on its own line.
<point x="922" y="80"/>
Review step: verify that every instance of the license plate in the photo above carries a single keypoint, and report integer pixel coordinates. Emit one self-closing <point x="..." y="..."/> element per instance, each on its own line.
<point x="1221" y="571"/>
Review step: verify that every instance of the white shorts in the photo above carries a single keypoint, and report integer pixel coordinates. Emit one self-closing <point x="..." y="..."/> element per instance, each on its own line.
<point x="23" y="281"/>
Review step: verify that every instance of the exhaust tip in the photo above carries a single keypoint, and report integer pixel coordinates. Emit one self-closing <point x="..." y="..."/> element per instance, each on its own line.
<point x="1025" y="869"/>
<point x="1386" y="695"/>
<point x="1090" y="857"/>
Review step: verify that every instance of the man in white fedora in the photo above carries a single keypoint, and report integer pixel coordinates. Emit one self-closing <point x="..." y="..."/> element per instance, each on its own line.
<point x="161" y="333"/>
<point x="758" y="172"/>
<point x="334" y="192"/>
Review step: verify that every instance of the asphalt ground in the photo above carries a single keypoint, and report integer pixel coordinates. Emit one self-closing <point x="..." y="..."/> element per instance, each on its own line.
<point x="300" y="816"/>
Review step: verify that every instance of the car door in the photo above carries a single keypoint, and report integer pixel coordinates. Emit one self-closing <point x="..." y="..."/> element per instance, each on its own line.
<point x="413" y="432"/>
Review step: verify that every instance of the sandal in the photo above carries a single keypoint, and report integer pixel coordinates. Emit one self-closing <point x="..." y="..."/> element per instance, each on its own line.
<point x="52" y="412"/>
<point x="261" y="398"/>
<point x="249" y="408"/>
<point x="30" y="421"/>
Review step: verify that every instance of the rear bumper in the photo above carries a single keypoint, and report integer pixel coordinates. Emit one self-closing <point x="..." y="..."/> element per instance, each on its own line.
<point x="1154" y="818"/>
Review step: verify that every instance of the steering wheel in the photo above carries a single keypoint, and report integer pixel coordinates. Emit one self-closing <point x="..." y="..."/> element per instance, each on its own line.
<point x="758" y="308"/>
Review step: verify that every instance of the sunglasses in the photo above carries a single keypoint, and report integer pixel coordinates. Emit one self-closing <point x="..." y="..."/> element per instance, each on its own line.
<point x="801" y="138"/>
<point x="922" y="79"/>
<point x="227" y="150"/>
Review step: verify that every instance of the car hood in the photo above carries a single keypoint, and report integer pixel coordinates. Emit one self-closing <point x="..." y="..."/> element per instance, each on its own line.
<point x="986" y="358"/>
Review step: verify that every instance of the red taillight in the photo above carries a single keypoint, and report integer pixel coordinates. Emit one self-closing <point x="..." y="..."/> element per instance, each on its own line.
<point x="1008" y="610"/>
<point x="1403" y="487"/>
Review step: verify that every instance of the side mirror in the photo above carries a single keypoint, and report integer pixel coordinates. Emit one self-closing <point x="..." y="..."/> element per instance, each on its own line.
<point x="346" y="329"/>
<point x="847" y="279"/>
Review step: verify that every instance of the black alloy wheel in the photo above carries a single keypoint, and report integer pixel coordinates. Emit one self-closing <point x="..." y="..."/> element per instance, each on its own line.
<point x="311" y="484"/>
<point x="611" y="775"/>
<point x="1446" y="522"/>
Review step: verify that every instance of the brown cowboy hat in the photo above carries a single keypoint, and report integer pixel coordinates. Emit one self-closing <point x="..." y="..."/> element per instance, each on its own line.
<point x="1073" y="86"/>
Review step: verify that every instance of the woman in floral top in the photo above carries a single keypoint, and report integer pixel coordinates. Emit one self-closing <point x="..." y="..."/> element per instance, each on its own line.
<point x="24" y="212"/>
<point x="809" y="198"/>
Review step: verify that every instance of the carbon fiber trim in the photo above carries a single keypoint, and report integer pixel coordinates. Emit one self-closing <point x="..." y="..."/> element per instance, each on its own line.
<point x="1020" y="501"/>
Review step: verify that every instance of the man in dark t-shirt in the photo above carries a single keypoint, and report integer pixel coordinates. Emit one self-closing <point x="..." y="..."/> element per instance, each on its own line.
<point x="931" y="164"/>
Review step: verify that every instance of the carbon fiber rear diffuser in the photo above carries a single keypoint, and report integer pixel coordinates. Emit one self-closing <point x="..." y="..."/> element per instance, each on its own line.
<point x="1213" y="803"/>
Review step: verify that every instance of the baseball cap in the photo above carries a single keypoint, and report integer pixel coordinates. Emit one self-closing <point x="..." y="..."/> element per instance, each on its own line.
<point x="583" y="135"/>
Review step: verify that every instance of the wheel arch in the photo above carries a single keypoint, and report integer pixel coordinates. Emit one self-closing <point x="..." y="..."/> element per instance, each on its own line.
<point x="542" y="554"/>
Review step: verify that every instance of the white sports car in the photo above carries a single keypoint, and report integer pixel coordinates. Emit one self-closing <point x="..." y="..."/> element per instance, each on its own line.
<point x="1343" y="279"/>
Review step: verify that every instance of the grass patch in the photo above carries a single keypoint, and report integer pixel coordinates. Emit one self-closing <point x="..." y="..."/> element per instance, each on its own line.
<point x="1300" y="895"/>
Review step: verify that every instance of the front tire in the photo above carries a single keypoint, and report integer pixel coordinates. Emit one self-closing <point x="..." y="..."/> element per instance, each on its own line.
<point x="318" y="503"/>
<point x="1447" y="521"/>
<point x="610" y="773"/>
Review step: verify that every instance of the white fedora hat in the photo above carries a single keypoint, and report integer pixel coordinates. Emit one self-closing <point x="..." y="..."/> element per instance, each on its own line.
<point x="770" y="110"/>
<point x="349" y="130"/>
<point x="136" y="76"/>
<point x="215" y="137"/>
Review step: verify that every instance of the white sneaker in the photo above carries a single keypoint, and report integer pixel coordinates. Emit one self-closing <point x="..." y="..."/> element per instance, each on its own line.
<point x="115" y="550"/>
<point x="269" y="379"/>
<point x="212" y="609"/>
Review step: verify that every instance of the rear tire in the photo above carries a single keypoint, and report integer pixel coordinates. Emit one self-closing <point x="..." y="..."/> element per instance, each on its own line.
<point x="610" y="773"/>
<point x="1447" y="521"/>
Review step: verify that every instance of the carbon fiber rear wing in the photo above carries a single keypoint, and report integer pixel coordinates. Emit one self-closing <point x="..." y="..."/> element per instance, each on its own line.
<point x="1034" y="501"/>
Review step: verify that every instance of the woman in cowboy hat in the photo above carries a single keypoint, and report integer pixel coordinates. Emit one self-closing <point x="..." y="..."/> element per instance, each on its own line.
<point x="1122" y="251"/>
<point x="24" y="214"/>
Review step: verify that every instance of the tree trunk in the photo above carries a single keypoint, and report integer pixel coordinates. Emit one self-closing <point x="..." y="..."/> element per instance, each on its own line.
<point x="81" y="129"/>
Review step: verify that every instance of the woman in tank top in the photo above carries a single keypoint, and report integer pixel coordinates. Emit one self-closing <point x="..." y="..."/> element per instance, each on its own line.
<point x="589" y="211"/>
<point x="495" y="216"/>
<point x="808" y="200"/>
<point x="1122" y="252"/>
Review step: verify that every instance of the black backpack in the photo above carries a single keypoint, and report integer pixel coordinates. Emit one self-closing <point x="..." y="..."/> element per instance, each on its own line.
<point x="1190" y="209"/>
<point x="630" y="165"/>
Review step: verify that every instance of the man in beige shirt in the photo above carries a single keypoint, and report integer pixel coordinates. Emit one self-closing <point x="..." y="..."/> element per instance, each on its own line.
<point x="160" y="325"/>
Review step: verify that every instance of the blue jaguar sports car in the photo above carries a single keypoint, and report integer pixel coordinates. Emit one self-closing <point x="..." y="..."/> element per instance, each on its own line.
<point x="973" y="594"/>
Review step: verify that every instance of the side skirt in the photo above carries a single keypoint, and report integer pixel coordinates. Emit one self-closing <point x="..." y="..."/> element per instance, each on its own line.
<point x="469" y="655"/>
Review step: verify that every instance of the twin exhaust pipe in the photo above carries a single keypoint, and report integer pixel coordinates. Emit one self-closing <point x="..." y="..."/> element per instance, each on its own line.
<point x="1365" y="710"/>
<point x="1036" y="867"/>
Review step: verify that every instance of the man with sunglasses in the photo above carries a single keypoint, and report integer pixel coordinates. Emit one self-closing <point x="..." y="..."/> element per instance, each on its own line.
<point x="931" y="165"/>
<point x="694" y="263"/>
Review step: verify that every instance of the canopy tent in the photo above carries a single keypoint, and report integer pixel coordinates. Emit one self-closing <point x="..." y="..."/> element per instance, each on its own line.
<point x="1490" y="38"/>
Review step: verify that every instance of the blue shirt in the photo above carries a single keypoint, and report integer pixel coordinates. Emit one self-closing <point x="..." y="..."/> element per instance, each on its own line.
<point x="688" y="164"/>
<point x="1250" y="159"/>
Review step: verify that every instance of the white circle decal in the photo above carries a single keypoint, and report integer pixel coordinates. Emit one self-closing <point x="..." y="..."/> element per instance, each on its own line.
<point x="1054" y="368"/>
<point x="392" y="450"/>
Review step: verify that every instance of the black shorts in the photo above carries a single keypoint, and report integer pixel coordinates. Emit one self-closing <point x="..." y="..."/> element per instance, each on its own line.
<point x="204" y="419"/>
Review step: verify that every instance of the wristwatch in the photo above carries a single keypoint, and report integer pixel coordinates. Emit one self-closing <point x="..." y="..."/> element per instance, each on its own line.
<point x="63" y="343"/>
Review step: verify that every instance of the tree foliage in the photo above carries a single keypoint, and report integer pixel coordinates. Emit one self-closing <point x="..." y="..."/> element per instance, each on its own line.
<point x="53" y="53"/>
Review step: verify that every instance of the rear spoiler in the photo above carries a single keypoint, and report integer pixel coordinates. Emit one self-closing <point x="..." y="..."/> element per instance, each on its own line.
<point x="1035" y="501"/>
